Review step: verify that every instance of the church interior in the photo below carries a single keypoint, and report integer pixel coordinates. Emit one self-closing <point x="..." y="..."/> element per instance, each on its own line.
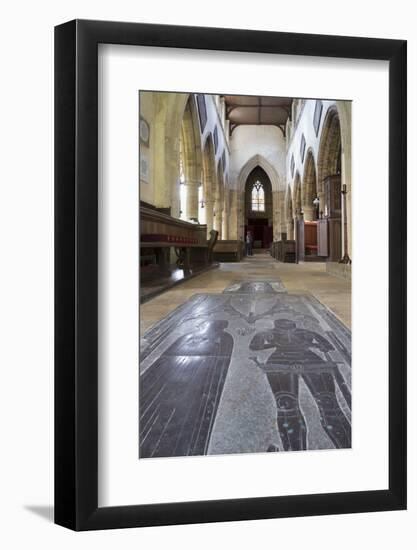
<point x="245" y="274"/>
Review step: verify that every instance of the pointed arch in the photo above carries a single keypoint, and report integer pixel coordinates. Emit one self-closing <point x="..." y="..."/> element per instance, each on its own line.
<point x="253" y="162"/>
<point x="329" y="157"/>
<point x="190" y="161"/>
<point x="191" y="138"/>
<point x="209" y="168"/>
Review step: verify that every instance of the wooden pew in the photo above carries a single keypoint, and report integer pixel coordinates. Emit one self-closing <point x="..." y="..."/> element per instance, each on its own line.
<point x="160" y="232"/>
<point x="283" y="251"/>
<point x="228" y="251"/>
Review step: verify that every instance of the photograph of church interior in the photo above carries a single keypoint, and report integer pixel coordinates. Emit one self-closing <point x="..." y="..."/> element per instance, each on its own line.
<point x="245" y="274"/>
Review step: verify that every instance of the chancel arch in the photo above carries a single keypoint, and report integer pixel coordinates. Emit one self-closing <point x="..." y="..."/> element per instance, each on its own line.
<point x="258" y="207"/>
<point x="276" y="187"/>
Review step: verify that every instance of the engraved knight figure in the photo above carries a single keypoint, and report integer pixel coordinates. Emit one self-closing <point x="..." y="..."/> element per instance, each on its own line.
<point x="300" y="352"/>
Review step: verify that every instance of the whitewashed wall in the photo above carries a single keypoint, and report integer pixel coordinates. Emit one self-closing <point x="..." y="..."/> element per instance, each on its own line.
<point x="248" y="141"/>
<point x="215" y="117"/>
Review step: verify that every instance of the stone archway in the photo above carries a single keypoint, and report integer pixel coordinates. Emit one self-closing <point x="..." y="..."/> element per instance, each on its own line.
<point x="190" y="148"/>
<point x="277" y="194"/>
<point x="258" y="209"/>
<point x="329" y="157"/>
<point x="329" y="184"/>
<point x="169" y="113"/>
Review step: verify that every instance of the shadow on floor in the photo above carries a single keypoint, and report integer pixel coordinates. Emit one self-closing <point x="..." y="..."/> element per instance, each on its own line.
<point x="45" y="512"/>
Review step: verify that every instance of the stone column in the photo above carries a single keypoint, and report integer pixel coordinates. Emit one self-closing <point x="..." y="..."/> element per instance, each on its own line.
<point x="290" y="230"/>
<point x="225" y="226"/>
<point x="217" y="221"/>
<point x="209" y="216"/>
<point x="321" y="204"/>
<point x="233" y="216"/>
<point x="192" y="200"/>
<point x="276" y="216"/>
<point x="309" y="212"/>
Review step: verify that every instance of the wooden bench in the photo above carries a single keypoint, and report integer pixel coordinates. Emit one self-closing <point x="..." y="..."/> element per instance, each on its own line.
<point x="228" y="251"/>
<point x="283" y="251"/>
<point x="159" y="232"/>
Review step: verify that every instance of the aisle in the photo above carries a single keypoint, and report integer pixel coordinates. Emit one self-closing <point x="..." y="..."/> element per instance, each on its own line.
<point x="248" y="367"/>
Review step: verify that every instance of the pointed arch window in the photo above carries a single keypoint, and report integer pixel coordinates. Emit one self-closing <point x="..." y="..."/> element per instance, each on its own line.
<point x="258" y="197"/>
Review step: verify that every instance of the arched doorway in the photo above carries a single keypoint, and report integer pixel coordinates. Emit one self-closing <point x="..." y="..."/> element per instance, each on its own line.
<point x="329" y="169"/>
<point x="258" y="208"/>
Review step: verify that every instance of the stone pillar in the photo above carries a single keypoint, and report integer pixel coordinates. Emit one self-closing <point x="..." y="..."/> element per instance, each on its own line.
<point x="225" y="226"/>
<point x="192" y="200"/>
<point x="320" y="196"/>
<point x="217" y="221"/>
<point x="232" y="216"/>
<point x="290" y="230"/>
<point x="276" y="216"/>
<point x="309" y="213"/>
<point x="209" y="216"/>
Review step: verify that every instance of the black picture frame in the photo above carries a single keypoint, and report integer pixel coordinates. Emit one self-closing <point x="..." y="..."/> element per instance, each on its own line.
<point x="76" y="272"/>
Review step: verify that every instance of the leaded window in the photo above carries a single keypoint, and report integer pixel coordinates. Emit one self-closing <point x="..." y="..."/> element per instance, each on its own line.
<point x="258" y="197"/>
<point x="317" y="115"/>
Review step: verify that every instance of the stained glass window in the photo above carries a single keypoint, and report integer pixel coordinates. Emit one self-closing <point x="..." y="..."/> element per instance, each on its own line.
<point x="258" y="197"/>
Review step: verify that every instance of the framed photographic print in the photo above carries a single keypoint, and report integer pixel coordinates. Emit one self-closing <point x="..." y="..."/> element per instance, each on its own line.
<point x="230" y="275"/>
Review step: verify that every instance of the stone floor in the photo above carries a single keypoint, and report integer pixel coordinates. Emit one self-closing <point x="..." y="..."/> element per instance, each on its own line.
<point x="311" y="278"/>
<point x="251" y="357"/>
